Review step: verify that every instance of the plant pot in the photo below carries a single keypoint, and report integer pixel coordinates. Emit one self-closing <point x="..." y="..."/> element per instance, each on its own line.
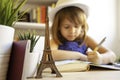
<point x="30" y="64"/>
<point x="6" y="40"/>
<point x="4" y="60"/>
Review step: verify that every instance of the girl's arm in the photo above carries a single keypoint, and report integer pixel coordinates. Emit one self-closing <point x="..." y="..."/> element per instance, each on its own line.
<point x="102" y="56"/>
<point x="65" y="55"/>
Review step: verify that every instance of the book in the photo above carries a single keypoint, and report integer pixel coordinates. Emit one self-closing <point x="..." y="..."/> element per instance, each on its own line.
<point x="114" y="66"/>
<point x="43" y="14"/>
<point x="70" y="66"/>
<point x="19" y="49"/>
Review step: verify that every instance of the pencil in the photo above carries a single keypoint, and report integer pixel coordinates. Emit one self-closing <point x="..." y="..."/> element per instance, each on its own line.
<point x="97" y="47"/>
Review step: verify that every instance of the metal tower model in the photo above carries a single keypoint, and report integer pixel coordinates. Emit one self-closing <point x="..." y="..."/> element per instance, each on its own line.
<point x="47" y="60"/>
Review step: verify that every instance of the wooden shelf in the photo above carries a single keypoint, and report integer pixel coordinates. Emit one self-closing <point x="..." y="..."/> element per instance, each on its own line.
<point x="41" y="2"/>
<point x="29" y="25"/>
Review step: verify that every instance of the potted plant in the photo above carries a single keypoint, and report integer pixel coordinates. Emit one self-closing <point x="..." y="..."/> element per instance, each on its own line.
<point x="29" y="36"/>
<point x="31" y="59"/>
<point x="8" y="16"/>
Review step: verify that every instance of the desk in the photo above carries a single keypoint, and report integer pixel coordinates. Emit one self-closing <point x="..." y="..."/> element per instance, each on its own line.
<point x="88" y="75"/>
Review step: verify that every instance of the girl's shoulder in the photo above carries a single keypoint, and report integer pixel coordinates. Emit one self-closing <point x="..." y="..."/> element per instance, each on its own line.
<point x="89" y="40"/>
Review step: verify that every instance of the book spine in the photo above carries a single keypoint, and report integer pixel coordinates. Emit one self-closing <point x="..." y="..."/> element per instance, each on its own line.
<point x="38" y="15"/>
<point x="43" y="14"/>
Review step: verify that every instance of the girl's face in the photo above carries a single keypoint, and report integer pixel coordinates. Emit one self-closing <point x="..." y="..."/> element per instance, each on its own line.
<point x="69" y="30"/>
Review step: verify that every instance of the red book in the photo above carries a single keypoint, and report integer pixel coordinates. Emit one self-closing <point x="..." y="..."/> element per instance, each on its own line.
<point x="43" y="14"/>
<point x="17" y="57"/>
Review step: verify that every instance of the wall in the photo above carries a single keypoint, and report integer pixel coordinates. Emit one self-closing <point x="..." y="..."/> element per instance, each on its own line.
<point x="118" y="28"/>
<point x="103" y="23"/>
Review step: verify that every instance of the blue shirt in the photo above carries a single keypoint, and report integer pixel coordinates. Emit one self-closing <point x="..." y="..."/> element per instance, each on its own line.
<point x="73" y="46"/>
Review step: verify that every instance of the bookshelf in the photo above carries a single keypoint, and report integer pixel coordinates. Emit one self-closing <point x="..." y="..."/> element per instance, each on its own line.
<point x="30" y="26"/>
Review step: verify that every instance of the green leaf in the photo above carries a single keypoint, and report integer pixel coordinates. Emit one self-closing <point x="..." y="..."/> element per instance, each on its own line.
<point x="9" y="11"/>
<point x="29" y="36"/>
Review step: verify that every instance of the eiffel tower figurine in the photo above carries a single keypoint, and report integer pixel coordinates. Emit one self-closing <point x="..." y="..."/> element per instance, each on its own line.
<point x="47" y="60"/>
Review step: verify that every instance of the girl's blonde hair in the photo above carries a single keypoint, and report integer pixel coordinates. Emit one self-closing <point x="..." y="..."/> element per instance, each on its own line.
<point x="73" y="14"/>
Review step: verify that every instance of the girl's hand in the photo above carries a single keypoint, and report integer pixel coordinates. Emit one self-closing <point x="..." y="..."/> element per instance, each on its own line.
<point x="94" y="57"/>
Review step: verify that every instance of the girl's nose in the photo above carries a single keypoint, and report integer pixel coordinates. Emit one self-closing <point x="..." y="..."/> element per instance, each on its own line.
<point x="72" y="30"/>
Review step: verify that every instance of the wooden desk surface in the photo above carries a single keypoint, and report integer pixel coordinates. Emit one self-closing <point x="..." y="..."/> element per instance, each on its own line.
<point x="88" y="75"/>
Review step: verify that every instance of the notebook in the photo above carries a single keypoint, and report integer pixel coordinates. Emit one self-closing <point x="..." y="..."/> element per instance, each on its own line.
<point x="114" y="66"/>
<point x="70" y="66"/>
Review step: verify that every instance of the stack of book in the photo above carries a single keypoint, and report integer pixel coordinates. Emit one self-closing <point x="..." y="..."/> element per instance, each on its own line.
<point x="37" y="14"/>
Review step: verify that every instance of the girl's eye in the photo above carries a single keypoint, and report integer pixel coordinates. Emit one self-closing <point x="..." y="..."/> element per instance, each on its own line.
<point x="77" y="26"/>
<point x="66" y="27"/>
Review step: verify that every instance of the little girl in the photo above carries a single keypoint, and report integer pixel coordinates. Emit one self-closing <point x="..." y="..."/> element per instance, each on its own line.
<point x="69" y="39"/>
